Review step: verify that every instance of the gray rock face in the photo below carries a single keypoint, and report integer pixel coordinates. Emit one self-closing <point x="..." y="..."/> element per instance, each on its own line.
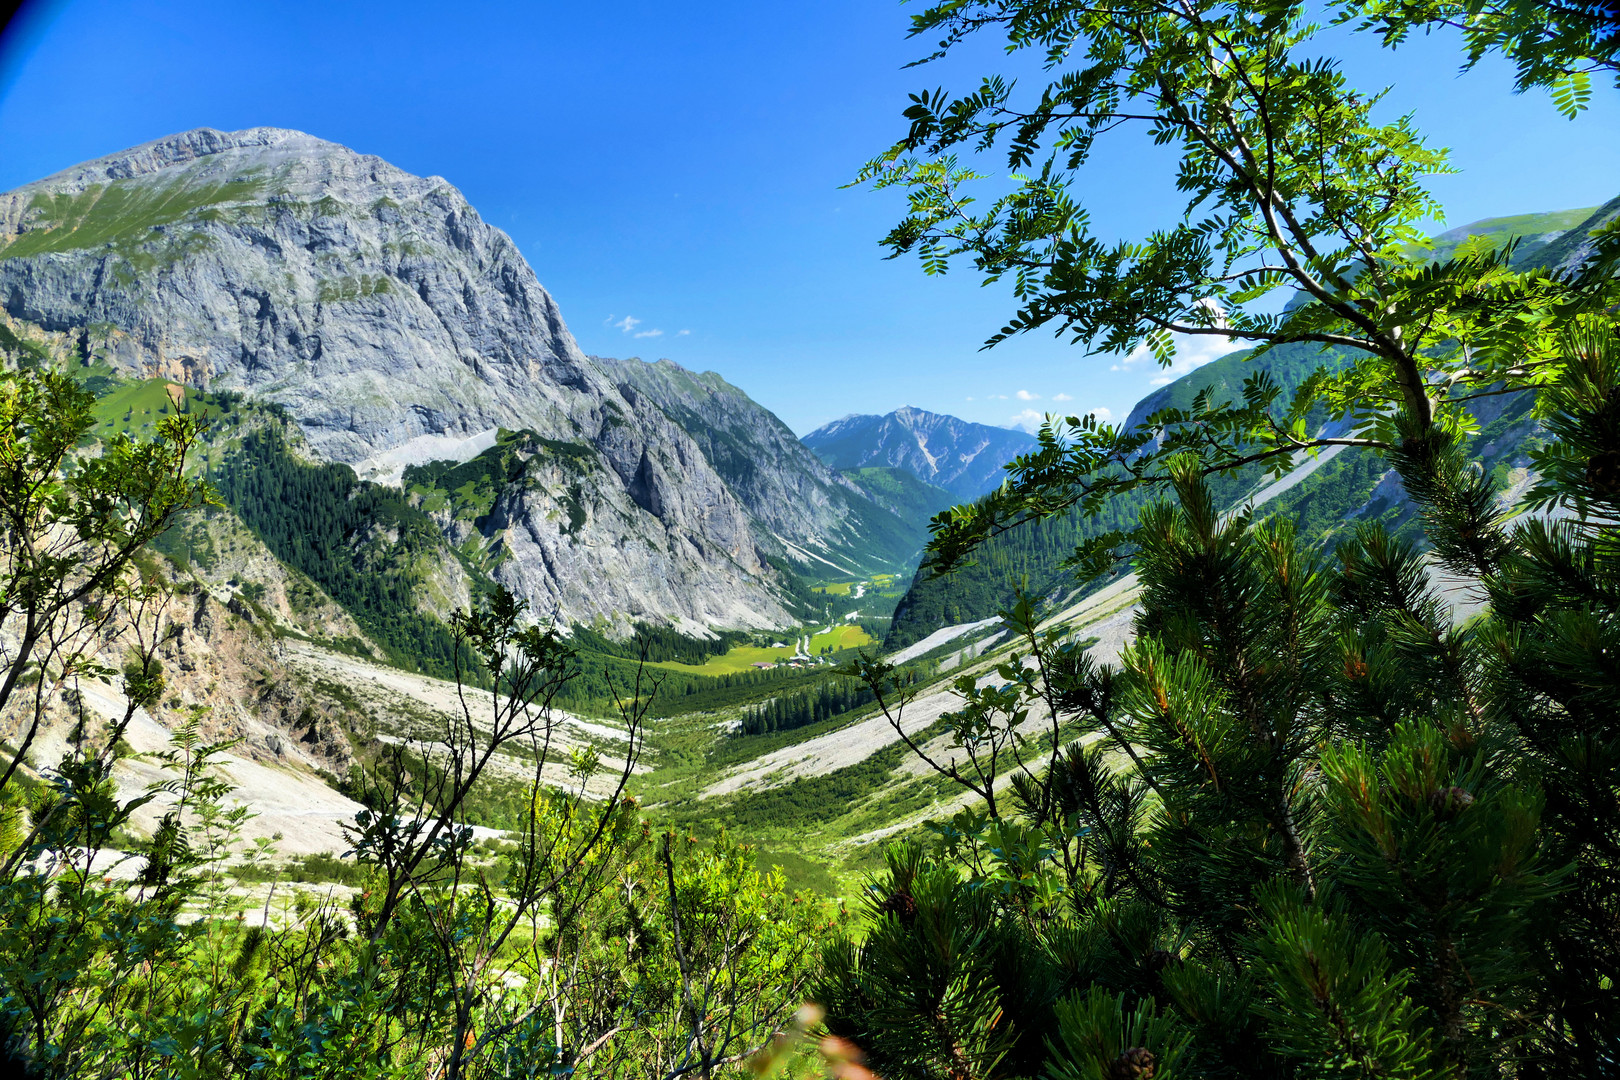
<point x="1568" y="252"/>
<point x="807" y="513"/>
<point x="964" y="458"/>
<point x="396" y="326"/>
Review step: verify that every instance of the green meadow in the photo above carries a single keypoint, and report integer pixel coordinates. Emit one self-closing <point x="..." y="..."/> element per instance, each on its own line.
<point x="744" y="657"/>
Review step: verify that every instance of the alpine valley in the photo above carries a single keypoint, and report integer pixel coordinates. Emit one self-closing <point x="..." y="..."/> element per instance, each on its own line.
<point x="400" y="422"/>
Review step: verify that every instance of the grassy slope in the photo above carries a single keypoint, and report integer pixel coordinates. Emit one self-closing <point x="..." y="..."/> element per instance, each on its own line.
<point x="1563" y="247"/>
<point x="136" y="219"/>
<point x="1533" y="230"/>
<point x="827" y="830"/>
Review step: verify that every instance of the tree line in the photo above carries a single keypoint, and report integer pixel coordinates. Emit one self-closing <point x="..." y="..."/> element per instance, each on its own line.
<point x="828" y="698"/>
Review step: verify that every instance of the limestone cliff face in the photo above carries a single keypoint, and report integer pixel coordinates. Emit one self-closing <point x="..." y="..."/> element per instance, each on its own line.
<point x="395" y="326"/>
<point x="805" y="512"/>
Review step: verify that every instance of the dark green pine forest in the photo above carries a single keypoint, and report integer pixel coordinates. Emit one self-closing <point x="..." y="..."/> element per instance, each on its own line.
<point x="360" y="542"/>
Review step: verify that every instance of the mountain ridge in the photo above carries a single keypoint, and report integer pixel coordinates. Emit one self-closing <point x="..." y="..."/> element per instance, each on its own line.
<point x="960" y="456"/>
<point x="810" y="513"/>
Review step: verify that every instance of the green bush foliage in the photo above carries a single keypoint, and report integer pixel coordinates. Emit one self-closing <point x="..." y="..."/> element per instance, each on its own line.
<point x="587" y="947"/>
<point x="1318" y="826"/>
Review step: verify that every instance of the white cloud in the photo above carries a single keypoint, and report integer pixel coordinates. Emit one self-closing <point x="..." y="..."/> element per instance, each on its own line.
<point x="1025" y="395"/>
<point x="1029" y="420"/>
<point x="969" y="399"/>
<point x="629" y="323"/>
<point x="1062" y="397"/>
<point x="996" y="397"/>
<point x="1192" y="351"/>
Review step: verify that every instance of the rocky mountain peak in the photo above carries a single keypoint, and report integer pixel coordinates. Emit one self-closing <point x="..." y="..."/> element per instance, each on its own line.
<point x="806" y="512"/>
<point x="395" y="326"/>
<point x="375" y="304"/>
<point x="187" y="147"/>
<point x="964" y="458"/>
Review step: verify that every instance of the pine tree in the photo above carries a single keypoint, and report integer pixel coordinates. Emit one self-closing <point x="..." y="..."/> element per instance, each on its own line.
<point x="1311" y="825"/>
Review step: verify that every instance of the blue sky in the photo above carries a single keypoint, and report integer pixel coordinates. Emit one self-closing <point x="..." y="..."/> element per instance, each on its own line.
<point x="679" y="166"/>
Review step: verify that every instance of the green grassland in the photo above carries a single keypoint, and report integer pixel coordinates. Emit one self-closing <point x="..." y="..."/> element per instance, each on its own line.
<point x="744" y="657"/>
<point x="823" y="820"/>
<point x="137" y="407"/>
<point x="739" y="658"/>
<point x="877" y="584"/>
<point x="827" y="831"/>
<point x="132" y="218"/>
<point x="840" y="638"/>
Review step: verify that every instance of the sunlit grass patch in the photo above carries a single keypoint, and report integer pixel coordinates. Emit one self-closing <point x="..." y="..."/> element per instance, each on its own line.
<point x="840" y="637"/>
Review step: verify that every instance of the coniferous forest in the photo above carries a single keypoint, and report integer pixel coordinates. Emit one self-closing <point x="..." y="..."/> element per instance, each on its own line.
<point x="1343" y="801"/>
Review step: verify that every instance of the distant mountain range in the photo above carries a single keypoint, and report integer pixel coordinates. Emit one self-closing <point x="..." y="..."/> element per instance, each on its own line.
<point x="963" y="458"/>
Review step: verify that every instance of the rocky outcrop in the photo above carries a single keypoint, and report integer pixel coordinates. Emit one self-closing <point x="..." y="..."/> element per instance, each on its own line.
<point x="806" y="512"/>
<point x="964" y="458"/>
<point x="1569" y="251"/>
<point x="395" y="326"/>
